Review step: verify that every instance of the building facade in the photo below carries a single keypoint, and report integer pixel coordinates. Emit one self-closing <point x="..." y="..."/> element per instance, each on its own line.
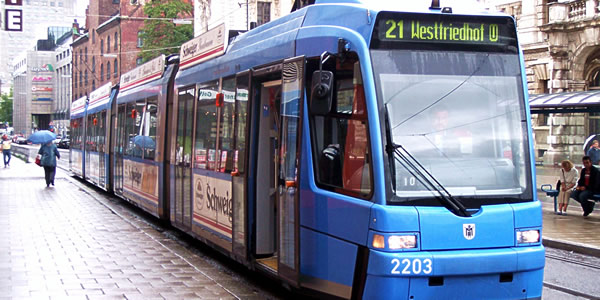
<point x="237" y="15"/>
<point x="561" y="47"/>
<point x="62" y="85"/>
<point x="33" y="91"/>
<point x="37" y="16"/>
<point x="107" y="46"/>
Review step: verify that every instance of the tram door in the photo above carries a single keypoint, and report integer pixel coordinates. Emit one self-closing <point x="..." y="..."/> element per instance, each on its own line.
<point x="239" y="174"/>
<point x="119" y="126"/>
<point x="277" y="217"/>
<point x="288" y="168"/>
<point x="183" y="158"/>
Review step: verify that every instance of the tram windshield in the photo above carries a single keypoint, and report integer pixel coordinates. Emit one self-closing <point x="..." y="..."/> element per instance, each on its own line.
<point x="460" y="113"/>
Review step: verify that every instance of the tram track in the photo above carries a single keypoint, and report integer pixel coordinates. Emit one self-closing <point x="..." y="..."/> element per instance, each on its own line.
<point x="563" y="289"/>
<point x="595" y="266"/>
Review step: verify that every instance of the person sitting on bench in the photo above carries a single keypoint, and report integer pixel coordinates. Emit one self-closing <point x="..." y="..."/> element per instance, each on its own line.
<point x="587" y="186"/>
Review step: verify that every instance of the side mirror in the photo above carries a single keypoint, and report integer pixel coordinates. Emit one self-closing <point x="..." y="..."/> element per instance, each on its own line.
<point x="322" y="91"/>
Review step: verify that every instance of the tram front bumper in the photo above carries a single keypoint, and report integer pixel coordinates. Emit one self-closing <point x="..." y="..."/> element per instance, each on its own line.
<point x="507" y="273"/>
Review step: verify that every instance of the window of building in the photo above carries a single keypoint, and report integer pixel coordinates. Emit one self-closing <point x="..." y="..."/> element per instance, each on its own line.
<point x="115" y="67"/>
<point x="108" y="70"/>
<point x="140" y="41"/>
<point x="595" y="80"/>
<point x="93" y="36"/>
<point x="86" y="56"/>
<point x="116" y="39"/>
<point x="101" y="46"/>
<point x="138" y="61"/>
<point x="115" y="1"/>
<point x="108" y="44"/>
<point x="93" y="64"/>
<point x="86" y="78"/>
<point x="264" y="12"/>
<point x="93" y="85"/>
<point x="101" y="72"/>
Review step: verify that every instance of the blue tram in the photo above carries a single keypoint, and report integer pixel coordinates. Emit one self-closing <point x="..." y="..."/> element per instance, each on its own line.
<point x="352" y="150"/>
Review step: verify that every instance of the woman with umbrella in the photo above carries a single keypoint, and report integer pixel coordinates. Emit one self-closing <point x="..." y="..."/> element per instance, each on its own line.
<point x="49" y="153"/>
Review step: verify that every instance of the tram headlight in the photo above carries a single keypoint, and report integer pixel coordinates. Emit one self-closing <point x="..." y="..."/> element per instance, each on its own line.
<point x="402" y="241"/>
<point x="395" y="241"/>
<point x="528" y="236"/>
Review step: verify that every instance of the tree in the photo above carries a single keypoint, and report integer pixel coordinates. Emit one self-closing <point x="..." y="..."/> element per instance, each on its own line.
<point x="6" y="107"/>
<point x="164" y="35"/>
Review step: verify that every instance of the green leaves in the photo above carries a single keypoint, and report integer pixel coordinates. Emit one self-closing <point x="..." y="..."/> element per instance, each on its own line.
<point x="6" y="108"/>
<point x="162" y="36"/>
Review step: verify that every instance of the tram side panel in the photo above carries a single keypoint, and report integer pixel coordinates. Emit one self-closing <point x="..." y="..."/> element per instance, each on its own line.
<point x="76" y="153"/>
<point x="139" y="139"/>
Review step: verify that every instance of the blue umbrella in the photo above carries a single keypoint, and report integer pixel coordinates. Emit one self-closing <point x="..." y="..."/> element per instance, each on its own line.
<point x="144" y="141"/>
<point x="42" y="137"/>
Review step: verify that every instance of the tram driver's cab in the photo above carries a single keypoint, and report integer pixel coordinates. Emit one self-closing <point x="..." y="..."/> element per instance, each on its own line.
<point x="338" y="121"/>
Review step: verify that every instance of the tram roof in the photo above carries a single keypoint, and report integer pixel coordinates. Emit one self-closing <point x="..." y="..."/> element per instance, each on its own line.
<point x="276" y="40"/>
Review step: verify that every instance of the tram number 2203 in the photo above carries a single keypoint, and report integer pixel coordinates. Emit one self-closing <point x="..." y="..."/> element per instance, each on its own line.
<point x="412" y="266"/>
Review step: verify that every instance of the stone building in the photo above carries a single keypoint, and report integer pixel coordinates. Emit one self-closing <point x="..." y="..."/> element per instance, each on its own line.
<point x="238" y="15"/>
<point x="34" y="77"/>
<point x="108" y="45"/>
<point x="33" y="91"/>
<point x="561" y="47"/>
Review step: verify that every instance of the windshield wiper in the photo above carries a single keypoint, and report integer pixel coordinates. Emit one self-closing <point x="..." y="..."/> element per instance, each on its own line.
<point x="416" y="169"/>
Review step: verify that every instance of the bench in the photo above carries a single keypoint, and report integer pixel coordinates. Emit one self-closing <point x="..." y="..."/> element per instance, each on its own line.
<point x="551" y="192"/>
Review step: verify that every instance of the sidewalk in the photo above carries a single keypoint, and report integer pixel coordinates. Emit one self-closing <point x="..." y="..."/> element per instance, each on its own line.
<point x="67" y="242"/>
<point x="571" y="232"/>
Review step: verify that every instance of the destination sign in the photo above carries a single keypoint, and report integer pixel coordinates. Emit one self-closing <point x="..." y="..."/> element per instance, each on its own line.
<point x="447" y="29"/>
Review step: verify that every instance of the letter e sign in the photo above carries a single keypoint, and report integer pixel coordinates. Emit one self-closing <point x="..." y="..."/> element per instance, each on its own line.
<point x="13" y="19"/>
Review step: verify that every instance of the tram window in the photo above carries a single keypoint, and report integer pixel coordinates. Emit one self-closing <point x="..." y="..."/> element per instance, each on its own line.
<point x="206" y="128"/>
<point x="91" y="138"/>
<point x="226" y="130"/>
<point x="75" y="133"/>
<point x="341" y="139"/>
<point x="241" y="114"/>
<point x="130" y="114"/>
<point x="149" y="128"/>
<point x="101" y="132"/>
<point x="135" y="141"/>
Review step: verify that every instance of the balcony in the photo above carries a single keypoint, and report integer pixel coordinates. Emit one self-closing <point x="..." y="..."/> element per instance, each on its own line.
<point x="572" y="11"/>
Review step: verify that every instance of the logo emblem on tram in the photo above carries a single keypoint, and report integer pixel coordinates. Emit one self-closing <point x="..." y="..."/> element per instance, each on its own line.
<point x="469" y="231"/>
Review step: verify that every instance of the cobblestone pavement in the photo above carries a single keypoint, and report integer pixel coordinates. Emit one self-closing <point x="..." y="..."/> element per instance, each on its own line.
<point x="68" y="242"/>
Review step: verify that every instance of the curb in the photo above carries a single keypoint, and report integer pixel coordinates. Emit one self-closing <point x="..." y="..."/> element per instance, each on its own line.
<point x="571" y="246"/>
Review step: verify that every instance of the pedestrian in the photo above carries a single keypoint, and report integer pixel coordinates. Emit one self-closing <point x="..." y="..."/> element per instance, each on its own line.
<point x="6" y="144"/>
<point x="587" y="186"/>
<point x="49" y="154"/>
<point x="568" y="180"/>
<point x="594" y="152"/>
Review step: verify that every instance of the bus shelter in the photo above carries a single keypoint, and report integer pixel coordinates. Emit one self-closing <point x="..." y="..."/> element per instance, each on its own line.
<point x="564" y="124"/>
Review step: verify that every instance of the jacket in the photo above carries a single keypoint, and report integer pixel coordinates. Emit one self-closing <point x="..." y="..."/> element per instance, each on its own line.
<point x="594" y="177"/>
<point x="49" y="154"/>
